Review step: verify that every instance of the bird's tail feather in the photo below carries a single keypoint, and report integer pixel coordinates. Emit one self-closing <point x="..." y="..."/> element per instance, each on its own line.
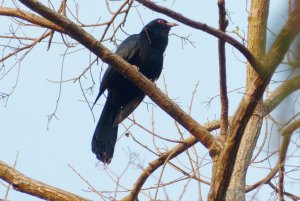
<point x="105" y="135"/>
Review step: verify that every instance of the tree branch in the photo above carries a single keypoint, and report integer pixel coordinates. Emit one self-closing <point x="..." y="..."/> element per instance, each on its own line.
<point x="265" y="180"/>
<point x="222" y="69"/>
<point x="204" y="27"/>
<point x="281" y="93"/>
<point x="293" y="197"/>
<point x="30" y="186"/>
<point x="282" y="43"/>
<point x="34" y="19"/>
<point x="287" y="133"/>
<point x="170" y="154"/>
<point x="129" y="72"/>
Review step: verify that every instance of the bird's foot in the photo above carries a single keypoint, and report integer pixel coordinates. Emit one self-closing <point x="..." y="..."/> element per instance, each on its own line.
<point x="136" y="68"/>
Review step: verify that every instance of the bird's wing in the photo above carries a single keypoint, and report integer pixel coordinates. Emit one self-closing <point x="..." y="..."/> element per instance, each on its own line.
<point x="128" y="109"/>
<point x="127" y="49"/>
<point x="159" y="70"/>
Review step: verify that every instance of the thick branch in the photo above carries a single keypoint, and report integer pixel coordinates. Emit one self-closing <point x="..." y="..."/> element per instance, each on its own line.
<point x="34" y="19"/>
<point x="204" y="27"/>
<point x="256" y="43"/>
<point x="129" y="72"/>
<point x="30" y="186"/>
<point x="282" y="43"/>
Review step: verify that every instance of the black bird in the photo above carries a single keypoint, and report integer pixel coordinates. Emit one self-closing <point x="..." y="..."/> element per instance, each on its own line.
<point x="145" y="50"/>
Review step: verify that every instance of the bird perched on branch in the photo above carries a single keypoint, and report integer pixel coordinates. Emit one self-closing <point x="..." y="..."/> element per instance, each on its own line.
<point x="144" y="50"/>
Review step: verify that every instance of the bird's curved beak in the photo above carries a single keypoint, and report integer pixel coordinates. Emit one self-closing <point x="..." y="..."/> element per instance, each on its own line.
<point x="171" y="24"/>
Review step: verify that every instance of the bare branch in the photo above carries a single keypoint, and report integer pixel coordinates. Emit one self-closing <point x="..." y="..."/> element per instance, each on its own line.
<point x="86" y="181"/>
<point x="34" y="19"/>
<point x="287" y="133"/>
<point x="265" y="180"/>
<point x="8" y="187"/>
<point x="281" y="93"/>
<point x="119" y="11"/>
<point x="282" y="43"/>
<point x="222" y="69"/>
<point x="293" y="197"/>
<point x="29" y="46"/>
<point x="204" y="27"/>
<point x="174" y="152"/>
<point x="30" y="186"/>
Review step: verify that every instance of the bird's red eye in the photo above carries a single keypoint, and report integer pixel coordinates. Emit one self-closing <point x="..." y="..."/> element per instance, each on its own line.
<point x="161" y="21"/>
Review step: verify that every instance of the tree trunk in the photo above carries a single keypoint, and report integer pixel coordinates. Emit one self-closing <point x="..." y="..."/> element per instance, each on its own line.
<point x="257" y="24"/>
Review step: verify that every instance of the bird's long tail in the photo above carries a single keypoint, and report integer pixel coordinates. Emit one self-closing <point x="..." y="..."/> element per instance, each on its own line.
<point x="105" y="135"/>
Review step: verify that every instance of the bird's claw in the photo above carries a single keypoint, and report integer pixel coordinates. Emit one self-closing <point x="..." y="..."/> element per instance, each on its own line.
<point x="136" y="68"/>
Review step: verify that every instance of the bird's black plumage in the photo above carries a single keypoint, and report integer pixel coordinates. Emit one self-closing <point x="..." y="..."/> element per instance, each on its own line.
<point x="144" y="50"/>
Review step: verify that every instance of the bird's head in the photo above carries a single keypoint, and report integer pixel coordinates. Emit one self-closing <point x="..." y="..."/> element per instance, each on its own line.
<point x="158" y="30"/>
<point x="159" y="26"/>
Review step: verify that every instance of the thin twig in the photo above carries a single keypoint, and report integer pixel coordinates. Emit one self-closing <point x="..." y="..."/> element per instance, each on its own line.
<point x="53" y="114"/>
<point x="86" y="181"/>
<point x="292" y="196"/>
<point x="8" y="187"/>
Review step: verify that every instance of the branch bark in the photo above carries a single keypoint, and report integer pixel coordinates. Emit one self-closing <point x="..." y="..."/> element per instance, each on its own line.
<point x="281" y="93"/>
<point x="257" y="27"/>
<point x="222" y="69"/>
<point x="34" y="19"/>
<point x="30" y="186"/>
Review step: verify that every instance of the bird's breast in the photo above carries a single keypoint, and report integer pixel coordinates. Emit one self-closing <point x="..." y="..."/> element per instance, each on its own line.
<point x="151" y="63"/>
